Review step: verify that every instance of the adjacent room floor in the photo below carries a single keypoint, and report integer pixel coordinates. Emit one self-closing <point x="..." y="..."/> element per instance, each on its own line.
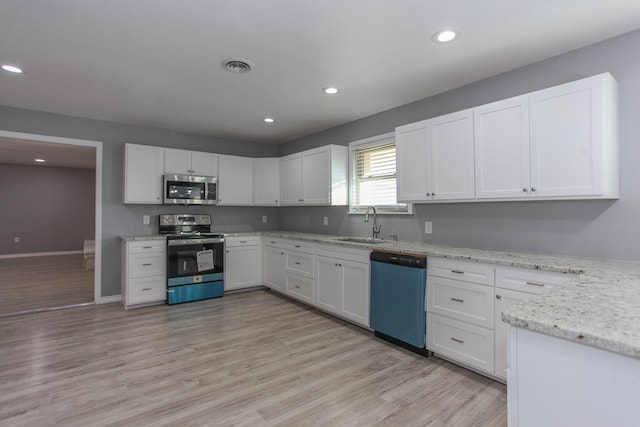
<point x="247" y="359"/>
<point x="39" y="282"/>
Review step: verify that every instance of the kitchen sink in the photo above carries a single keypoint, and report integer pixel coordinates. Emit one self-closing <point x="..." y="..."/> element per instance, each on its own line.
<point x="365" y="240"/>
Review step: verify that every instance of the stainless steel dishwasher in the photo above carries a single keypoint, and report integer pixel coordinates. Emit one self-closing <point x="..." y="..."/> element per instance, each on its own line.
<point x="397" y="310"/>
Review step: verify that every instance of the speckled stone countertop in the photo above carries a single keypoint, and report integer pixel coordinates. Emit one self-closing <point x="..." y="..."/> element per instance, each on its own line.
<point x="146" y="237"/>
<point x="601" y="307"/>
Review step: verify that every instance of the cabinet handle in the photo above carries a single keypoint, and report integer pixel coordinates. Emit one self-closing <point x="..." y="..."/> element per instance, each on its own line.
<point x="146" y="289"/>
<point x="535" y="284"/>
<point x="147" y="247"/>
<point x="498" y="296"/>
<point x="428" y="194"/>
<point x="297" y="286"/>
<point x="533" y="188"/>
<point x="273" y="242"/>
<point x="276" y="201"/>
<point x="243" y="241"/>
<point x="281" y="253"/>
<point x="457" y="299"/>
<point x="457" y="340"/>
<point x="227" y="251"/>
<point x="525" y="190"/>
<point x="146" y="264"/>
<point x="457" y="271"/>
<point x="297" y="263"/>
<point x="297" y="246"/>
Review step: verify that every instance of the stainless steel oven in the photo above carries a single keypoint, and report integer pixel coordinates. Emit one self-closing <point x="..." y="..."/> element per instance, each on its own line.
<point x="195" y="258"/>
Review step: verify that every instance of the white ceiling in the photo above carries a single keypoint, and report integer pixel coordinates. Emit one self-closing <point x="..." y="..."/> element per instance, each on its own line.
<point x="24" y="152"/>
<point x="157" y="62"/>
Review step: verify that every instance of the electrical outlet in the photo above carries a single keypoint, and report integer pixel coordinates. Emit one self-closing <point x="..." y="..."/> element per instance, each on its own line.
<point x="325" y="221"/>
<point x="264" y="219"/>
<point x="428" y="227"/>
<point x="145" y="219"/>
<point x="16" y="240"/>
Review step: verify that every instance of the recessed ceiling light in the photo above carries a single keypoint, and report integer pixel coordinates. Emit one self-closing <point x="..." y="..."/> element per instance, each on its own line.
<point x="330" y="90"/>
<point x="12" y="69"/>
<point x="444" y="36"/>
<point x="40" y="160"/>
<point x="268" y="120"/>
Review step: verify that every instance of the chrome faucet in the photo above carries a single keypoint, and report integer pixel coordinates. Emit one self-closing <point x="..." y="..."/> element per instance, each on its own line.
<point x="376" y="227"/>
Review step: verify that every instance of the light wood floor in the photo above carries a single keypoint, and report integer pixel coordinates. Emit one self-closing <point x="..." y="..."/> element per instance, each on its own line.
<point x="247" y="359"/>
<point x="39" y="282"/>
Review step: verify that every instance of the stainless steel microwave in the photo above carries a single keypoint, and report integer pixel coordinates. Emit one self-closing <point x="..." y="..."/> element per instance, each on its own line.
<point x="190" y="190"/>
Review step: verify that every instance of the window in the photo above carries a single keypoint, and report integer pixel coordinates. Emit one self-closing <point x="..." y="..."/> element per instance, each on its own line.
<point x="373" y="175"/>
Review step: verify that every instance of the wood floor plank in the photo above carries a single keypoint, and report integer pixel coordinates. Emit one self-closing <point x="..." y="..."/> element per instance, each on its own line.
<point x="247" y="359"/>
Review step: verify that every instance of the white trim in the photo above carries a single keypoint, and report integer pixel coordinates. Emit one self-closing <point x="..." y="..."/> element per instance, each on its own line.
<point x="27" y="255"/>
<point x="374" y="140"/>
<point x="110" y="299"/>
<point x="97" y="277"/>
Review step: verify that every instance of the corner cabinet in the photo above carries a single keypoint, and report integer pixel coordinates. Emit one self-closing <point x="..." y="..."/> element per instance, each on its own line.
<point x="435" y="159"/>
<point x="342" y="282"/>
<point x="315" y="177"/>
<point x="556" y="143"/>
<point x="143" y="170"/>
<point x="266" y="181"/>
<point x="144" y="280"/>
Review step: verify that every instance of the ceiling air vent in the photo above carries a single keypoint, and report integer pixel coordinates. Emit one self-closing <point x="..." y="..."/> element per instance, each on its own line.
<point x="237" y="65"/>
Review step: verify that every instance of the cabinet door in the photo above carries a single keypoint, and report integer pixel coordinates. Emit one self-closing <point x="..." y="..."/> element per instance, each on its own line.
<point x="235" y="181"/>
<point x="274" y="268"/>
<point x="143" y="170"/>
<point x="242" y="267"/>
<point x="355" y="291"/>
<point x="205" y="164"/>
<point x="502" y="149"/>
<point x="504" y="299"/>
<point x="413" y="162"/>
<point x="291" y="180"/>
<point x="328" y="284"/>
<point x="266" y="181"/>
<point x="177" y="161"/>
<point x="566" y="140"/>
<point x="316" y="176"/>
<point x="452" y="165"/>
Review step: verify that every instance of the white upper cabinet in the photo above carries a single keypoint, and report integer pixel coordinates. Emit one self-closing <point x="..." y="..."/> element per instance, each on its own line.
<point x="235" y="180"/>
<point x="557" y="143"/>
<point x="266" y="181"/>
<point x="315" y="177"/>
<point x="574" y="139"/>
<point x="435" y="159"/>
<point x="143" y="170"/>
<point x="502" y="149"/>
<point x="185" y="162"/>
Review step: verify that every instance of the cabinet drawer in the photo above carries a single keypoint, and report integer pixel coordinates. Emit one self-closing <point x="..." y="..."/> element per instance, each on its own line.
<point x="300" y="263"/>
<point x="146" y="264"/>
<point x="461" y="270"/>
<point x="147" y="246"/>
<point x="148" y="289"/>
<point x="531" y="281"/>
<point x="274" y="241"/>
<point x="234" y="242"/>
<point x="467" y="344"/>
<point x="300" y="246"/>
<point x="464" y="301"/>
<point x="300" y="287"/>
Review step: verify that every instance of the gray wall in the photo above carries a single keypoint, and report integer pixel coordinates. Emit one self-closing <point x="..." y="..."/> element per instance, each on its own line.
<point x="601" y="229"/>
<point x="49" y="208"/>
<point x="119" y="219"/>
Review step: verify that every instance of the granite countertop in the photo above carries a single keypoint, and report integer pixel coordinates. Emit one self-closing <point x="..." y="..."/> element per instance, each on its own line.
<point x="144" y="237"/>
<point x="601" y="308"/>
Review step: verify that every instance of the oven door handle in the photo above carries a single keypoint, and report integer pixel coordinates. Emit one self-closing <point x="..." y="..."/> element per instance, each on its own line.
<point x="182" y="242"/>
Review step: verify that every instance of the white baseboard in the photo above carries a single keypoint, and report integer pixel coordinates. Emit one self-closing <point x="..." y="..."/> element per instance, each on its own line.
<point x="25" y="255"/>
<point x="109" y="299"/>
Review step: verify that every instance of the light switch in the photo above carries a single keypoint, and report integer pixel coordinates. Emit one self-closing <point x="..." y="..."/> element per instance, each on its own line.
<point x="325" y="221"/>
<point x="145" y="219"/>
<point x="428" y="227"/>
<point x="264" y="219"/>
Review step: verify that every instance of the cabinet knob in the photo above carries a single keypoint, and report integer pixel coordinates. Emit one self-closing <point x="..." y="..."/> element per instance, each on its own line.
<point x="533" y="188"/>
<point x="525" y="190"/>
<point x="498" y="296"/>
<point x="428" y="194"/>
<point x="433" y="194"/>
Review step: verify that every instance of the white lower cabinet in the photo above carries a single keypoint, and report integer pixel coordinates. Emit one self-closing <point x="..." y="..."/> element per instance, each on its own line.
<point x="342" y="282"/>
<point x="514" y="285"/>
<point x="273" y="272"/>
<point x="144" y="280"/>
<point x="242" y="262"/>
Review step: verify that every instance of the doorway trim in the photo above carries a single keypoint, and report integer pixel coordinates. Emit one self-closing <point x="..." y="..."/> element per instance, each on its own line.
<point x="97" y="282"/>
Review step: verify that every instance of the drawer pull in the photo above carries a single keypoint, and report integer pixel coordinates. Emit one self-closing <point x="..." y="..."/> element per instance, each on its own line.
<point x="243" y="241"/>
<point x="297" y="246"/>
<point x="457" y="299"/>
<point x="498" y="296"/>
<point x="297" y="263"/>
<point x="297" y="286"/>
<point x="146" y="264"/>
<point x="535" y="284"/>
<point x="457" y="271"/>
<point x="146" y="289"/>
<point x="273" y="242"/>
<point x="147" y="247"/>
<point x="457" y="340"/>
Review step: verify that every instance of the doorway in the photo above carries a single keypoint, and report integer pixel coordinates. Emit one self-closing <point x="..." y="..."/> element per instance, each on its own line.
<point x="50" y="250"/>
